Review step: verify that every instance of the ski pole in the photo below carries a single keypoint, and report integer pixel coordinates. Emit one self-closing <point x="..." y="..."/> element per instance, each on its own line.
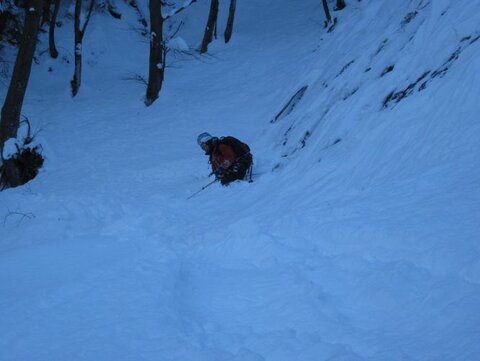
<point x="203" y="188"/>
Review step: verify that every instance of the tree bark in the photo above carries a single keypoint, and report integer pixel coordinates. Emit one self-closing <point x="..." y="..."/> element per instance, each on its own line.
<point x="211" y="25"/>
<point x="79" y="33"/>
<point x="327" y="11"/>
<point x="77" y="73"/>
<point x="231" y="17"/>
<point x="157" y="52"/>
<point x="10" y="116"/>
<point x="51" y="32"/>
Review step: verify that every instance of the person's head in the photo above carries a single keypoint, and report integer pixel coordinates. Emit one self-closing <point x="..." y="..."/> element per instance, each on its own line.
<point x="205" y="141"/>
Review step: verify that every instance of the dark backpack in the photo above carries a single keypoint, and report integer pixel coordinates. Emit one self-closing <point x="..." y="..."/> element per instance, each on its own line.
<point x="239" y="148"/>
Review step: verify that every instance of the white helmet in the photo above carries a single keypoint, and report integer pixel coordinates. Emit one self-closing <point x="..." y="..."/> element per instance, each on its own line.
<point x="203" y="138"/>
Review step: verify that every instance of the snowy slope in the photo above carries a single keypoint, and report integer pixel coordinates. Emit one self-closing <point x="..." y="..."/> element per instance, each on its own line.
<point x="358" y="240"/>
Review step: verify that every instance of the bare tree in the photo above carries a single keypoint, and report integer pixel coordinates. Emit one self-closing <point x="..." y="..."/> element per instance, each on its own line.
<point x="23" y="166"/>
<point x="158" y="48"/>
<point x="156" y="68"/>
<point x="10" y="116"/>
<point x="231" y="16"/>
<point x="79" y="33"/>
<point x="51" y="32"/>
<point x="327" y="12"/>
<point x="211" y="26"/>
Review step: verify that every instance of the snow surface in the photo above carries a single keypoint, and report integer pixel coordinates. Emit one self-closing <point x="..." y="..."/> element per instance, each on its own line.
<point x="10" y="148"/>
<point x="358" y="240"/>
<point x="178" y="43"/>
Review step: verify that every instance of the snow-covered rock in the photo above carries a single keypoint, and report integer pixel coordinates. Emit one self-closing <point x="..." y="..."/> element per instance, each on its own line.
<point x="10" y="148"/>
<point x="178" y="43"/>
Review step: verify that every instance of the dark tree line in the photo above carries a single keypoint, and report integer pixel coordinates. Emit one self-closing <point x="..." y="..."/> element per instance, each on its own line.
<point x="20" y="24"/>
<point x="159" y="49"/>
<point x="45" y="12"/>
<point x="211" y="27"/>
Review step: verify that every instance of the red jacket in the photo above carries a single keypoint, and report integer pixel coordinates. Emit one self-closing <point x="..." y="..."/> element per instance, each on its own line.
<point x="222" y="157"/>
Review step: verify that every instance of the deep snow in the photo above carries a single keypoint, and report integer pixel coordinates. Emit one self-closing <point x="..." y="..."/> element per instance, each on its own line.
<point x="358" y="240"/>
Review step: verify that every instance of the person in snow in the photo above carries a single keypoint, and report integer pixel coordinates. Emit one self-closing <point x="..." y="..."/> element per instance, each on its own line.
<point x="230" y="158"/>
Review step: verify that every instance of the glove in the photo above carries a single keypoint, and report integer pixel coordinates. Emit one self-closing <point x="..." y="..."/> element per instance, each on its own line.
<point x="220" y="173"/>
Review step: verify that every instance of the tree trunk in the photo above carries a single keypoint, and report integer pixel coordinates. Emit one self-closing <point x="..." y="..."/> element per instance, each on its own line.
<point x="231" y="16"/>
<point x="157" y="52"/>
<point x="79" y="33"/>
<point x="10" y="118"/>
<point x="210" y="28"/>
<point x="77" y="73"/>
<point x="340" y="4"/>
<point x="327" y="12"/>
<point x="51" y="33"/>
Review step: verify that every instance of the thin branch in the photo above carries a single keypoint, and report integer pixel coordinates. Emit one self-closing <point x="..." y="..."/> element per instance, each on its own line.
<point x="180" y="9"/>
<point x="90" y="9"/>
<point x="20" y="214"/>
<point x="136" y="78"/>
<point x="171" y="36"/>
